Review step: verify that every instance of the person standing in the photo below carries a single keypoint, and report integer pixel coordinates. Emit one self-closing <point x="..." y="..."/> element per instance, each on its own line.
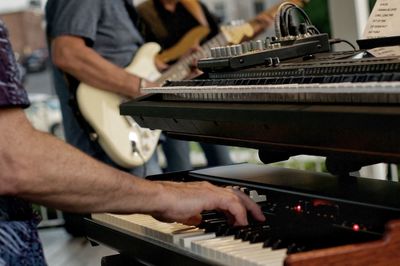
<point x="91" y="41"/>
<point x="166" y="22"/>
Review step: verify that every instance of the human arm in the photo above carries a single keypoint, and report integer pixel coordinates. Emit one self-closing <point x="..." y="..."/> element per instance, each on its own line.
<point x="73" y="56"/>
<point x="42" y="169"/>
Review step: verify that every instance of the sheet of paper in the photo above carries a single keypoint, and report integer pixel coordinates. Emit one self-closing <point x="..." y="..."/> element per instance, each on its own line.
<point x="384" y="21"/>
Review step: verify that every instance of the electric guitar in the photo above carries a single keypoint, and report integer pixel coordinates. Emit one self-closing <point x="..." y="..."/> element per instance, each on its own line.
<point x="197" y="34"/>
<point x="124" y="141"/>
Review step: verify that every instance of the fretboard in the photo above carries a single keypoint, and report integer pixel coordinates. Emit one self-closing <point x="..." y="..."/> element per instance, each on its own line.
<point x="181" y="69"/>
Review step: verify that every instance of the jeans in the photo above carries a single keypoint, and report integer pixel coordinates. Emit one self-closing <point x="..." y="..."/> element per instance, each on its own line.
<point x="177" y="153"/>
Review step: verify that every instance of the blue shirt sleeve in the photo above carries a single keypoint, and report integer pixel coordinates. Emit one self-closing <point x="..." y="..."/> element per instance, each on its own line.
<point x="73" y="17"/>
<point x="12" y="92"/>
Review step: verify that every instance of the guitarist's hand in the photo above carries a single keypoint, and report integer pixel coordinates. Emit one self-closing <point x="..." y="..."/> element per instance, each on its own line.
<point x="193" y="65"/>
<point x="160" y="65"/>
<point x="147" y="84"/>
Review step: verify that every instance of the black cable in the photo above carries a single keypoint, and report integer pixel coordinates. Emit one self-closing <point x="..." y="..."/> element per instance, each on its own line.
<point x="313" y="29"/>
<point x="283" y="23"/>
<point x="337" y="40"/>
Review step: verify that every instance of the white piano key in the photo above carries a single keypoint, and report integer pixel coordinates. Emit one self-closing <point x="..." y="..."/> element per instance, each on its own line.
<point x="187" y="241"/>
<point x="271" y="257"/>
<point x="201" y="247"/>
<point x="236" y="255"/>
<point x="230" y="257"/>
<point x="207" y="248"/>
<point x="225" y="250"/>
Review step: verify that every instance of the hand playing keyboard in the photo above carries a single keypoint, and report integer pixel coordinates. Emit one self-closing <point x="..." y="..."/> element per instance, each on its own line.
<point x="190" y="199"/>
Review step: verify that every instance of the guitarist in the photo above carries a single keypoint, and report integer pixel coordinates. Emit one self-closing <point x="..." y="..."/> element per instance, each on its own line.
<point x="166" y="22"/>
<point x="92" y="41"/>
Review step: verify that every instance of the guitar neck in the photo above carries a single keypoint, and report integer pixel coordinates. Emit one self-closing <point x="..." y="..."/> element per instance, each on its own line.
<point x="181" y="69"/>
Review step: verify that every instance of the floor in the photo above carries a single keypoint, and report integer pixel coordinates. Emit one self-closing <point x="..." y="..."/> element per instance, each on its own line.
<point x="61" y="249"/>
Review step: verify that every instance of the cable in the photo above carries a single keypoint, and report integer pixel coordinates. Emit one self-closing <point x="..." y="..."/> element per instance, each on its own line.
<point x="284" y="21"/>
<point x="337" y="40"/>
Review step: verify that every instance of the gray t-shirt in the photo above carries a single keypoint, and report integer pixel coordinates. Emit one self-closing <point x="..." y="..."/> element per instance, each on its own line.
<point x="104" y="24"/>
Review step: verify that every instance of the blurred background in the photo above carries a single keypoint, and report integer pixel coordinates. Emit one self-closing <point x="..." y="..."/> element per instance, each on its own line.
<point x="25" y="20"/>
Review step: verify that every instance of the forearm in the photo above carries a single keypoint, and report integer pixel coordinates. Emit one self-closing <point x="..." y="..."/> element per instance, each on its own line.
<point x="71" y="55"/>
<point x="42" y="169"/>
<point x="64" y="178"/>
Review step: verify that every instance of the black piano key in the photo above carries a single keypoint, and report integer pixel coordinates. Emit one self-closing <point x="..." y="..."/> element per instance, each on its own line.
<point x="206" y="223"/>
<point x="278" y="244"/>
<point x="373" y="77"/>
<point x="221" y="229"/>
<point x="242" y="232"/>
<point x="396" y="77"/>
<point x="257" y="232"/>
<point x="268" y="242"/>
<point x="258" y="237"/>
<point x="297" y="80"/>
<point x="211" y="226"/>
<point x="347" y="78"/>
<point x="212" y="215"/>
<point x="231" y="230"/>
<point x="387" y="77"/>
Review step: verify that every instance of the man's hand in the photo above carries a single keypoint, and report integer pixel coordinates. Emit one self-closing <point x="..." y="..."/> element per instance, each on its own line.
<point x="183" y="202"/>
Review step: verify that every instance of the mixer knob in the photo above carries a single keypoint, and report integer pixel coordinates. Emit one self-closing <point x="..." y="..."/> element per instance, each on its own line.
<point x="223" y="51"/>
<point x="228" y="51"/>
<point x="259" y="45"/>
<point x="245" y="47"/>
<point x="238" y="48"/>
<point x="213" y="52"/>
<point x="233" y="50"/>
<point x="217" y="52"/>
<point x="268" y="43"/>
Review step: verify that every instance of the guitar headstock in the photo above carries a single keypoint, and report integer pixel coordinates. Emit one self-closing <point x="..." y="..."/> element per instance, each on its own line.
<point x="234" y="34"/>
<point x="237" y="32"/>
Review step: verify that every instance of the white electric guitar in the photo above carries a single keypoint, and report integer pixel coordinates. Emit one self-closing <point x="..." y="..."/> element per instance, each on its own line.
<point x="124" y="141"/>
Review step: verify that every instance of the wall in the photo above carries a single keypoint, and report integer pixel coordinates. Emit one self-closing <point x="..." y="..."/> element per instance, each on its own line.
<point x="26" y="29"/>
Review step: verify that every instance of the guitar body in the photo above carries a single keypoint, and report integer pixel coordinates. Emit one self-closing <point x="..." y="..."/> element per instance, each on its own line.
<point x="115" y="133"/>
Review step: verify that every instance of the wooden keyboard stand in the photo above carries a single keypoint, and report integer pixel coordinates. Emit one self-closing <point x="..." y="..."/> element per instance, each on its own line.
<point x="382" y="252"/>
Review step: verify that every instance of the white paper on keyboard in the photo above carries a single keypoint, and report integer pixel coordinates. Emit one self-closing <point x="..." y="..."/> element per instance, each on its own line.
<point x="383" y="22"/>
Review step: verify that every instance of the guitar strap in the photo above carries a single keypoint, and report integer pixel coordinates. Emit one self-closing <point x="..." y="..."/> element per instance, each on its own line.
<point x="131" y="11"/>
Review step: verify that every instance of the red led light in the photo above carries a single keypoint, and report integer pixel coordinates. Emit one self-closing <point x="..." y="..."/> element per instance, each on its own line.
<point x="356" y="227"/>
<point x="298" y="208"/>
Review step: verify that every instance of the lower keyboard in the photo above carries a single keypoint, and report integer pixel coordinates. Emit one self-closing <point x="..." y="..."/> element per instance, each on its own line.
<point x="223" y="250"/>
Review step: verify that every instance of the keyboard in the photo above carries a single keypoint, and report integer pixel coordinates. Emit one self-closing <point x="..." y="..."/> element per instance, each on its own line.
<point x="222" y="249"/>
<point x="319" y="213"/>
